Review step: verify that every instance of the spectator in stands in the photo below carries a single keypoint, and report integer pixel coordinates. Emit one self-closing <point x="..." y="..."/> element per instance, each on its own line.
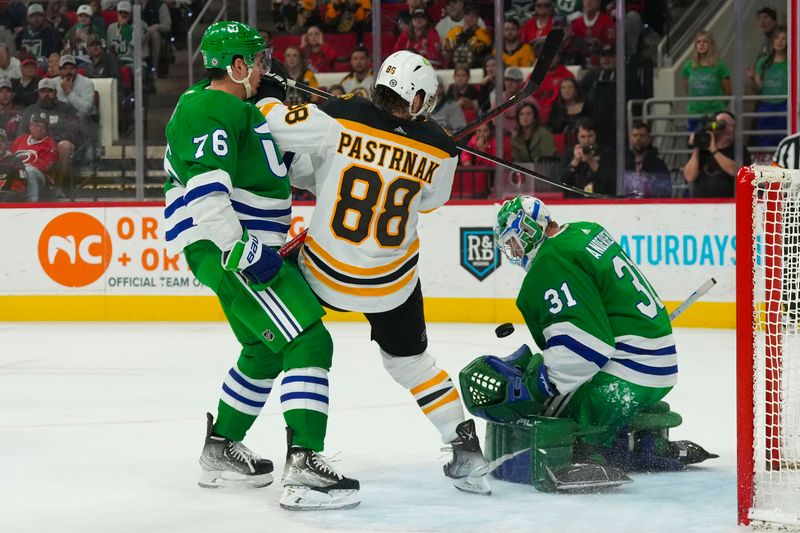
<point x="512" y="83"/>
<point x="7" y="38"/>
<point x="516" y="53"/>
<point x="98" y="20"/>
<point x="62" y="121"/>
<point x="25" y="88"/>
<point x="589" y="164"/>
<point x="16" y="14"/>
<point x="464" y="93"/>
<point x="447" y="113"/>
<point x="74" y="88"/>
<point x="645" y="172"/>
<point x="466" y="45"/>
<point x="156" y="15"/>
<point x="403" y="20"/>
<point x="295" y="16"/>
<point x="120" y="35"/>
<point x="705" y="75"/>
<point x="539" y="25"/>
<point x="486" y="86"/>
<point x="57" y="17"/>
<point x="9" y="65"/>
<point x="102" y="64"/>
<point x="77" y="38"/>
<point x="38" y="153"/>
<point x="599" y="86"/>
<point x="53" y="70"/>
<point x="711" y="169"/>
<point x="771" y="78"/>
<point x="336" y="90"/>
<point x="532" y="140"/>
<point x="344" y="16"/>
<point x="590" y="32"/>
<point x="479" y="184"/>
<point x="548" y="91"/>
<point x="9" y="111"/>
<point x="38" y="38"/>
<point x="420" y="37"/>
<point x="568" y="110"/>
<point x="12" y="173"/>
<point x="453" y="18"/>
<point x="297" y="69"/>
<point x="768" y="22"/>
<point x="319" y="54"/>
<point x="360" y="76"/>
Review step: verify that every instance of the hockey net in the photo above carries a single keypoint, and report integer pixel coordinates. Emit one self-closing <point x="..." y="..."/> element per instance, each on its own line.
<point x="768" y="345"/>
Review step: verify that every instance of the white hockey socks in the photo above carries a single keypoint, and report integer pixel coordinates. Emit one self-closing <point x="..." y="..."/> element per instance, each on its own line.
<point x="431" y="387"/>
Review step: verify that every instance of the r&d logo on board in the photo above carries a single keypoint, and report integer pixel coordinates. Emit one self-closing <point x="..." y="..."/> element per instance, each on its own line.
<point x="74" y="249"/>
<point x="478" y="253"/>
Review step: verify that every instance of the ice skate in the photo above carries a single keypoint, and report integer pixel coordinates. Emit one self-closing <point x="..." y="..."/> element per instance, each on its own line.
<point x="228" y="463"/>
<point x="310" y="484"/>
<point x="468" y="468"/>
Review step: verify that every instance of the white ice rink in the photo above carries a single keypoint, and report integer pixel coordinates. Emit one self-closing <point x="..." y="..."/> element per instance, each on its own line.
<point x="101" y="426"/>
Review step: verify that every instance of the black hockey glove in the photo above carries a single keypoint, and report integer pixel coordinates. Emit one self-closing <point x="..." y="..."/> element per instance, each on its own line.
<point x="273" y="83"/>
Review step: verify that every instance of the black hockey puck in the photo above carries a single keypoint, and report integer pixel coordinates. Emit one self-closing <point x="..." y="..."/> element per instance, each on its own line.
<point x="504" y="330"/>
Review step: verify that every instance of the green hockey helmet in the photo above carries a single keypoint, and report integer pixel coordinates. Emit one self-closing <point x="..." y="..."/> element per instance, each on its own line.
<point x="520" y="229"/>
<point x="224" y="40"/>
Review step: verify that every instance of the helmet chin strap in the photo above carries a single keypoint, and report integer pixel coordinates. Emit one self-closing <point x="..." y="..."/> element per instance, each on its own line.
<point x="248" y="89"/>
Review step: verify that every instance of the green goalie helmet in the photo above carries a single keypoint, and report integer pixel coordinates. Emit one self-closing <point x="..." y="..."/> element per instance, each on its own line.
<point x="520" y="228"/>
<point x="224" y="40"/>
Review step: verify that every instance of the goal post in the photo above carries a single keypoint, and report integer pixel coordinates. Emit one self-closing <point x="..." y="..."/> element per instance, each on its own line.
<point x="768" y="345"/>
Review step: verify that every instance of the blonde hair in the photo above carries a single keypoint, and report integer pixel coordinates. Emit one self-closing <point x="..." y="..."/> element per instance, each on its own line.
<point x="711" y="57"/>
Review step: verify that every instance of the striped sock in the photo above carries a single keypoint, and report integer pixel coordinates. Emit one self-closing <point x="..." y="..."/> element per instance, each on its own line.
<point x="439" y="400"/>
<point x="304" y="399"/>
<point x="240" y="402"/>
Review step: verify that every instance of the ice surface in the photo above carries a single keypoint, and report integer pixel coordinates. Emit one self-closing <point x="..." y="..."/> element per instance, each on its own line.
<point x="101" y="426"/>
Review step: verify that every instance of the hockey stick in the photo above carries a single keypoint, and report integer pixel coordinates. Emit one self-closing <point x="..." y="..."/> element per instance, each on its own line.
<point x="540" y="69"/>
<point x="522" y="170"/>
<point x="696" y="295"/>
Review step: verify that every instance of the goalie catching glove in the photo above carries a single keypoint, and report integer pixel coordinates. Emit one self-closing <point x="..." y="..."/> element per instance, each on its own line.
<point x="257" y="262"/>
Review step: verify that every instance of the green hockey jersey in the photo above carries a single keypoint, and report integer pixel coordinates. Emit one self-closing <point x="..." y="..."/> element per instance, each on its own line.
<point x="224" y="173"/>
<point x="590" y="309"/>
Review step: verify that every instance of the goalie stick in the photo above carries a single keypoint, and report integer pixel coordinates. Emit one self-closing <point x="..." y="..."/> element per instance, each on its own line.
<point x="549" y="50"/>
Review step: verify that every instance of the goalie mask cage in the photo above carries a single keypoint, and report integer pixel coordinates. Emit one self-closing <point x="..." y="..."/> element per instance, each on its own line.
<point x="768" y="345"/>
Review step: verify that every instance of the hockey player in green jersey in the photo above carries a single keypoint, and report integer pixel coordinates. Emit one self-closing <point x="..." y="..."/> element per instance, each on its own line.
<point x="608" y="358"/>
<point x="228" y="212"/>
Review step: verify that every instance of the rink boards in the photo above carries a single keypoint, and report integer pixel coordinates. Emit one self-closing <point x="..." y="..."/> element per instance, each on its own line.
<point x="108" y="262"/>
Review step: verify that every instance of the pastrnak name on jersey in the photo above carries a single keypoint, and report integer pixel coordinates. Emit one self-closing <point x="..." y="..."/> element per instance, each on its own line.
<point x="386" y="155"/>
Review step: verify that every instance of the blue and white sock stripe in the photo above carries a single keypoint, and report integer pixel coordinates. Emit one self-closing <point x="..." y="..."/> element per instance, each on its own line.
<point x="278" y="312"/>
<point x="305" y="388"/>
<point x="245" y="394"/>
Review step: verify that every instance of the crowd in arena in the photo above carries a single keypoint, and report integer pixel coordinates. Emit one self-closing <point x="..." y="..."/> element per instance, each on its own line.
<point x="568" y="127"/>
<point x="50" y="51"/>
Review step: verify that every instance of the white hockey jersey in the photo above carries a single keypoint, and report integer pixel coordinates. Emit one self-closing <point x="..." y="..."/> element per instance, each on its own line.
<point x="373" y="175"/>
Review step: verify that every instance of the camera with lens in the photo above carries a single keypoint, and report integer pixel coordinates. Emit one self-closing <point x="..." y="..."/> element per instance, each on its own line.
<point x="705" y="129"/>
<point x="589" y="149"/>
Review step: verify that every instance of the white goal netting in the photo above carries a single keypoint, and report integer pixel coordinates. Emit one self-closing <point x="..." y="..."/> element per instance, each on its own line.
<point x="776" y="346"/>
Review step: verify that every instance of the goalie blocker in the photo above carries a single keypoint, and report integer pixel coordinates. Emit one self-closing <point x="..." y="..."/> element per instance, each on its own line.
<point x="533" y="438"/>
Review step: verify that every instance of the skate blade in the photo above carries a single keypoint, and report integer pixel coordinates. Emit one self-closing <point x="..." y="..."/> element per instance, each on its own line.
<point x="220" y="479"/>
<point x="473" y="484"/>
<point x="296" y="498"/>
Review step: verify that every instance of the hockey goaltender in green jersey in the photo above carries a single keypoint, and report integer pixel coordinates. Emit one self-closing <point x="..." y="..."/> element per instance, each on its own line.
<point x="589" y="407"/>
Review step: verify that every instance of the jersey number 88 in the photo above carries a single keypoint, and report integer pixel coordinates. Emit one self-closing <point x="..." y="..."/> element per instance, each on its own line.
<point x="360" y="190"/>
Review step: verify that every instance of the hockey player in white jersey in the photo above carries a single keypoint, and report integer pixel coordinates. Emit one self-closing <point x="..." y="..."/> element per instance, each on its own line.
<point x="377" y="164"/>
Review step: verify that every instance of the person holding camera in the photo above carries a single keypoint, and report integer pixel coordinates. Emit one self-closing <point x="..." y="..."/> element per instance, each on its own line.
<point x="711" y="169"/>
<point x="589" y="165"/>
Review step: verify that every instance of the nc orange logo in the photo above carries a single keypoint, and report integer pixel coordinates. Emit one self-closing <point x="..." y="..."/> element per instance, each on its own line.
<point x="74" y="249"/>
